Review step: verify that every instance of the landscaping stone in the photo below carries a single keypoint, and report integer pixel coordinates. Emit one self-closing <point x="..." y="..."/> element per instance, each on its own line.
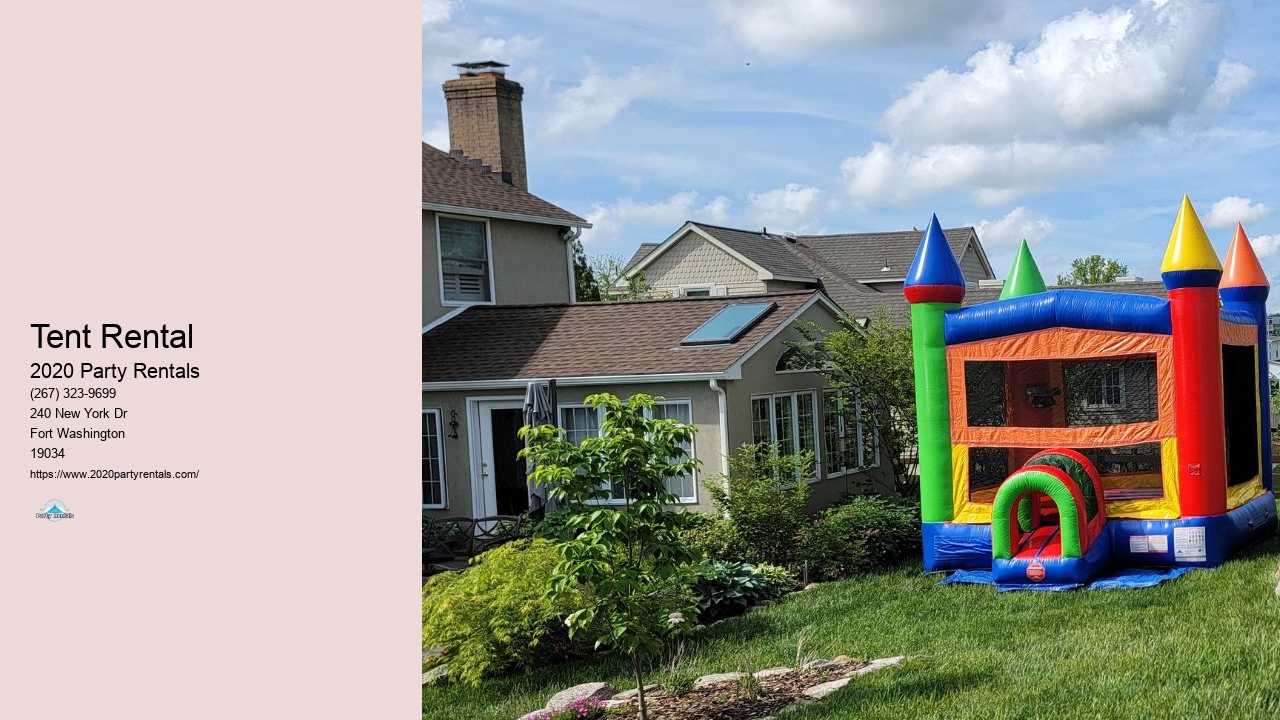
<point x="880" y="664"/>
<point x="817" y="692"/>
<point x="616" y="702"/>
<point x="632" y="693"/>
<point x="436" y="675"/>
<point x="597" y="690"/>
<point x="530" y="715"/>
<point x="718" y="678"/>
<point x="820" y="664"/>
<point x="771" y="672"/>
<point x="811" y="586"/>
<point x="842" y="659"/>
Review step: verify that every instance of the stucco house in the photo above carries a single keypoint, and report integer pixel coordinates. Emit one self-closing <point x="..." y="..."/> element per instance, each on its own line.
<point x="859" y="271"/>
<point x="717" y="361"/>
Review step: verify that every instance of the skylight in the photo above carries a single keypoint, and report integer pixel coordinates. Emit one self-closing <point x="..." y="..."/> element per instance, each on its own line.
<point x="729" y="324"/>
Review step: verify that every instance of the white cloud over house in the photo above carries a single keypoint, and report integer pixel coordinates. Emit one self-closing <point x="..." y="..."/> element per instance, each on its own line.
<point x="790" y="208"/>
<point x="599" y="98"/>
<point x="798" y="27"/>
<point x="1020" y="121"/>
<point x="1233" y="209"/>
<point x="615" y="221"/>
<point x="1017" y="225"/>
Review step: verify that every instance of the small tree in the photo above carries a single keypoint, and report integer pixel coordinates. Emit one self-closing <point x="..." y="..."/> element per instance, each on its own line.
<point x="585" y="287"/>
<point x="874" y="365"/>
<point x="1093" y="270"/>
<point x="764" y="497"/>
<point x="628" y="559"/>
<point x="609" y="270"/>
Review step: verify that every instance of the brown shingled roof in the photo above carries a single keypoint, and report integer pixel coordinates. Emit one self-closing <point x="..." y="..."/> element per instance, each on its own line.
<point x="500" y="342"/>
<point x="447" y="180"/>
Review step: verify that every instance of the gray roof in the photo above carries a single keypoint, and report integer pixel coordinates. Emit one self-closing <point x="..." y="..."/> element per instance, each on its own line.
<point x="642" y="252"/>
<point x="855" y="256"/>
<point x="458" y="182"/>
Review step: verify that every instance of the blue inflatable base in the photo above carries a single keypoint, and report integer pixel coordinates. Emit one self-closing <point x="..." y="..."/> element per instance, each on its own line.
<point x="1194" y="542"/>
<point x="1122" y="579"/>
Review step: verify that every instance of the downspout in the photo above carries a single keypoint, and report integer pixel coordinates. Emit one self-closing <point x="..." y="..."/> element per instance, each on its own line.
<point x="724" y="432"/>
<point x="569" y="235"/>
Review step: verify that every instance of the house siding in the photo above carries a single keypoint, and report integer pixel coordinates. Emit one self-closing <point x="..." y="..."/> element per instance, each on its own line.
<point x="759" y="376"/>
<point x="971" y="266"/>
<point x="528" y="263"/>
<point x="694" y="260"/>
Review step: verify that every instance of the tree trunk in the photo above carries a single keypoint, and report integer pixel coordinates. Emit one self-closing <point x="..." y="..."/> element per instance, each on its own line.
<point x="635" y="667"/>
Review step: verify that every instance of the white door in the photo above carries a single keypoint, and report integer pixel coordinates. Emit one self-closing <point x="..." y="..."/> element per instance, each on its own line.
<point x="499" y="485"/>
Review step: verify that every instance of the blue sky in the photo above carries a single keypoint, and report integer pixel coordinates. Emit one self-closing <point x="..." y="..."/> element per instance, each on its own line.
<point x="1077" y="126"/>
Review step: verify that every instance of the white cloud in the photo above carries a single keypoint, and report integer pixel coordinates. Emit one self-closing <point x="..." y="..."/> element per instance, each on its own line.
<point x="600" y="98"/>
<point x="798" y="27"/>
<point x="437" y="135"/>
<point x="1235" y="209"/>
<point x="445" y="43"/>
<point x="1265" y="246"/>
<point x="1017" y="225"/>
<point x="1231" y="79"/>
<point x="897" y="175"/>
<point x="1020" y="121"/>
<point x="654" y="220"/>
<point x="1089" y="76"/>
<point x="789" y="208"/>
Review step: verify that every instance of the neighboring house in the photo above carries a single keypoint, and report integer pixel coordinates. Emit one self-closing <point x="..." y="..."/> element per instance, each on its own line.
<point x="860" y="272"/>
<point x="728" y="384"/>
<point x="485" y="238"/>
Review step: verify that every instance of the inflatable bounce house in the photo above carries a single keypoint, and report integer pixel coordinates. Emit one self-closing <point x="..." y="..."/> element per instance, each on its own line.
<point x="1065" y="434"/>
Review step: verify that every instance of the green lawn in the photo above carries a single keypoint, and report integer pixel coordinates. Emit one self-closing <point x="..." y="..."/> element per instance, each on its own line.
<point x="1205" y="645"/>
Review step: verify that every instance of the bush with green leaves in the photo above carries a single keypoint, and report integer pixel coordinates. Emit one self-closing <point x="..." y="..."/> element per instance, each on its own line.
<point x="715" y="539"/>
<point x="629" y="557"/>
<point x="725" y="589"/>
<point x="764" y="498"/>
<point x="865" y="534"/>
<point x="495" y="615"/>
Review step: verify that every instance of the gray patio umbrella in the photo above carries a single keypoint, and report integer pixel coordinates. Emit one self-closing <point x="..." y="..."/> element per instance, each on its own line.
<point x="539" y="409"/>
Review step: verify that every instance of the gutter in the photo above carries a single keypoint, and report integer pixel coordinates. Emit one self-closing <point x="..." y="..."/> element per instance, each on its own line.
<point x="724" y="432"/>
<point x="501" y="215"/>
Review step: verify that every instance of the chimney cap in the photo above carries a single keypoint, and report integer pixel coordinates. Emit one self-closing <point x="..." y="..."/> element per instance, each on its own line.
<point x="475" y="68"/>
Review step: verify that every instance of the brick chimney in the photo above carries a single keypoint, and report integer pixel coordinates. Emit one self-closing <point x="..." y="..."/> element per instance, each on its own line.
<point x="485" y="120"/>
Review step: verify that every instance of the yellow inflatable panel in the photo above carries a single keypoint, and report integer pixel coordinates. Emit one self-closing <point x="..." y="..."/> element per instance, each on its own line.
<point x="1189" y="246"/>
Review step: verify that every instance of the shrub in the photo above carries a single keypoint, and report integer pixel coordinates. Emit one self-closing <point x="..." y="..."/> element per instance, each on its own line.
<point x="495" y="615"/>
<point x="764" y="497"/>
<point x="866" y="534"/>
<point x="715" y="539"/>
<point x="724" y="589"/>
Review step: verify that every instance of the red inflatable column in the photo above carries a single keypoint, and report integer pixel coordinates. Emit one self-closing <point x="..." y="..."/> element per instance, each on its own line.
<point x="1191" y="273"/>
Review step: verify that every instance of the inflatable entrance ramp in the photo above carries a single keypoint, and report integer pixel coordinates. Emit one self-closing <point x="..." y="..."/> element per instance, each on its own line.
<point x="1047" y="523"/>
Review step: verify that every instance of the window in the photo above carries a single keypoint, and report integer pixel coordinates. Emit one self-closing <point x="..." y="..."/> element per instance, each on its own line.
<point x="464" y="260"/>
<point x="696" y="291"/>
<point x="729" y="324"/>
<point x="850" y="441"/>
<point x="432" y="461"/>
<point x="788" y="419"/>
<point x="581" y="422"/>
<point x="1108" y="390"/>
<point x="683" y="486"/>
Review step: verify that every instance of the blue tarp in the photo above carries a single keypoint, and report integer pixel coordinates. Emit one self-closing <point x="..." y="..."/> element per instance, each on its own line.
<point x="1121" y="579"/>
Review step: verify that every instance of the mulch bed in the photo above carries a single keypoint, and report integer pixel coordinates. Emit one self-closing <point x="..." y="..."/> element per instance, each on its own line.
<point x="730" y="700"/>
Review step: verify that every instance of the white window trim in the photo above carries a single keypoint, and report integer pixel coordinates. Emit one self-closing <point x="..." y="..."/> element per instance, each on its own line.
<point x="561" y="407"/>
<point x="489" y="262"/>
<point x="444" y="483"/>
<point x="814" y="395"/>
<point x="1104" y="405"/>
<point x="712" y="289"/>
<point x="693" y="452"/>
<point x="866" y="459"/>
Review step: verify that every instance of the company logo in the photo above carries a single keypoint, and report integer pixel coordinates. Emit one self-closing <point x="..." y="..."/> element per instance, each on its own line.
<point x="53" y="511"/>
<point x="1035" y="572"/>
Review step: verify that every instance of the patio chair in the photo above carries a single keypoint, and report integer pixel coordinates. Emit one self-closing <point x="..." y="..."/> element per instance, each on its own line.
<point x="495" y="530"/>
<point x="447" y="543"/>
